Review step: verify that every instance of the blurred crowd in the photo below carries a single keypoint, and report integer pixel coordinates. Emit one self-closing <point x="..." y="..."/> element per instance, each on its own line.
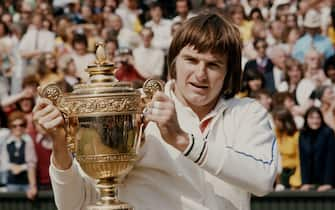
<point x="288" y="63"/>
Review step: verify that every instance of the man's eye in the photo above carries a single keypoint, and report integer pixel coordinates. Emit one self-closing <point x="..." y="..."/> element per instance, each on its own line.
<point x="213" y="66"/>
<point x="191" y="60"/>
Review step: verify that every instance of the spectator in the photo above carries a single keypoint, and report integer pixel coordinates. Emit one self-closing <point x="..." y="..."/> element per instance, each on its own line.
<point x="160" y="26"/>
<point x="317" y="153"/>
<point x="286" y="99"/>
<point x="129" y="13"/>
<point x="288" y="143"/>
<point x="326" y="97"/>
<point x="183" y="9"/>
<point x="238" y="16"/>
<point x="329" y="68"/>
<point x="252" y="81"/>
<point x="263" y="64"/>
<point x="276" y="33"/>
<point x="148" y="60"/>
<point x="314" y="77"/>
<point x="35" y="41"/>
<point x="278" y="57"/>
<point x="312" y="38"/>
<point x="126" y="70"/>
<point x="80" y="55"/>
<point x="294" y="72"/>
<point x="111" y="47"/>
<point x="43" y="147"/>
<point x="126" y="37"/>
<point x="21" y="157"/>
<point x="26" y="105"/>
<point x="48" y="70"/>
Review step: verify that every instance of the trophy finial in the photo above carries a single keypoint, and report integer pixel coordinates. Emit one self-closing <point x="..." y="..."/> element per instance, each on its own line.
<point x="101" y="57"/>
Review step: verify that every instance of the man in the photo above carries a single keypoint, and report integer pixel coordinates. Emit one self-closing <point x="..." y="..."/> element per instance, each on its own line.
<point x="160" y="26"/>
<point x="148" y="60"/>
<point x="200" y="141"/>
<point x="183" y="9"/>
<point x="262" y="64"/>
<point x="312" y="38"/>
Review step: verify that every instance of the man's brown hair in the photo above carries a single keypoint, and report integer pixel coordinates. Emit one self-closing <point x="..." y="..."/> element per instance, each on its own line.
<point x="213" y="33"/>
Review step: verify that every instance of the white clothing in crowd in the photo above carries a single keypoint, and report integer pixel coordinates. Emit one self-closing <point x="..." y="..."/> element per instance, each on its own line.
<point x="37" y="40"/>
<point x="179" y="19"/>
<point x="165" y="178"/>
<point x="81" y="62"/>
<point x="149" y="61"/>
<point x="162" y="33"/>
<point x="128" y="38"/>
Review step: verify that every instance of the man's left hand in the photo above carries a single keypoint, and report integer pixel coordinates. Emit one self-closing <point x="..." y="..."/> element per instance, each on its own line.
<point x="162" y="111"/>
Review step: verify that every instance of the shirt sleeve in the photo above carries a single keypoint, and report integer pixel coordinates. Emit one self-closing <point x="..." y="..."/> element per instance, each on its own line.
<point x="73" y="190"/>
<point x="250" y="162"/>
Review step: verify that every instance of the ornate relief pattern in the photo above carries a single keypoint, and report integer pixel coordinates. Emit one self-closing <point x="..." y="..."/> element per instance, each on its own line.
<point x="98" y="105"/>
<point x="127" y="157"/>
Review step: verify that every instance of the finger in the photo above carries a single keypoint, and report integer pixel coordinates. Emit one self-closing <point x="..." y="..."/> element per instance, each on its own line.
<point x="51" y="116"/>
<point x="38" y="114"/>
<point x="54" y="123"/>
<point x="41" y="103"/>
<point x="160" y="96"/>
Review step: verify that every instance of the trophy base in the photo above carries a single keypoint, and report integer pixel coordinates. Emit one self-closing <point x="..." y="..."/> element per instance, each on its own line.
<point x="120" y="206"/>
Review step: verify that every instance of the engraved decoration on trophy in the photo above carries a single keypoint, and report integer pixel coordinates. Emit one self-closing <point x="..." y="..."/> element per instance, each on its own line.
<point x="103" y="124"/>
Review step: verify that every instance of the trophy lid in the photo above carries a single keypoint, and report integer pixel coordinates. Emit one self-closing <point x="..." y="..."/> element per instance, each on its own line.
<point x="101" y="77"/>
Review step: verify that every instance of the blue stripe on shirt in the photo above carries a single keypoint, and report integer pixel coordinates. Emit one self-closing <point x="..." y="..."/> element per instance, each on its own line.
<point x="253" y="157"/>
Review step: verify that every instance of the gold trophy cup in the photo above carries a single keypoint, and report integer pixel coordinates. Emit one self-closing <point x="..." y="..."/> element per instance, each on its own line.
<point x="103" y="124"/>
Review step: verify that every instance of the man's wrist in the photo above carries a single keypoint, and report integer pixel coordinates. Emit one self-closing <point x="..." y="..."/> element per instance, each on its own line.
<point x="196" y="150"/>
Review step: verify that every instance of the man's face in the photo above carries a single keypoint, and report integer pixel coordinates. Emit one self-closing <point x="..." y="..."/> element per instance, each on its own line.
<point x="199" y="77"/>
<point x="182" y="7"/>
<point x="156" y="13"/>
<point x="18" y="127"/>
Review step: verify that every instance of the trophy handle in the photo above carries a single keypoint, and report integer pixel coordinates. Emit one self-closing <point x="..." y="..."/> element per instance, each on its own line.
<point x="55" y="95"/>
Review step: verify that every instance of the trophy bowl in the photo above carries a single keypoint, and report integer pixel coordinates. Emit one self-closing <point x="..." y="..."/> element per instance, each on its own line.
<point x="103" y="124"/>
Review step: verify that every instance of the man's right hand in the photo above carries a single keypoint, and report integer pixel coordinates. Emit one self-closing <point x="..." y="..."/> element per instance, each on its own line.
<point x="50" y="118"/>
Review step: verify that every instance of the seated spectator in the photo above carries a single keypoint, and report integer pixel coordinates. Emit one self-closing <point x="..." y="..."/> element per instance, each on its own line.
<point x="238" y="16"/>
<point x="26" y="105"/>
<point x="329" y="68"/>
<point x="125" y="37"/>
<point x="312" y="38"/>
<point x="183" y="9"/>
<point x="317" y="153"/>
<point x="286" y="99"/>
<point x="293" y="73"/>
<point x="264" y="97"/>
<point x="68" y="67"/>
<point x="20" y="156"/>
<point x="43" y="148"/>
<point x="125" y="67"/>
<point x="325" y="95"/>
<point x="160" y="26"/>
<point x="35" y="41"/>
<point x="252" y="81"/>
<point x="314" y="77"/>
<point x="48" y="70"/>
<point x="263" y="64"/>
<point x="80" y="55"/>
<point x="288" y="144"/>
<point x="149" y="61"/>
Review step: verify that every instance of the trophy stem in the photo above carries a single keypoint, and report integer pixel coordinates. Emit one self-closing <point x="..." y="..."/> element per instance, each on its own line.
<point x="109" y="200"/>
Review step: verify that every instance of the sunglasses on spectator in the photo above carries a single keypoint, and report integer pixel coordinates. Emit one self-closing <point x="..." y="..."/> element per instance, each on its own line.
<point x="22" y="125"/>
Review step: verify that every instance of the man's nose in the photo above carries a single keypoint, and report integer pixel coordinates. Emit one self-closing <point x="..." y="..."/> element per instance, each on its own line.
<point x="201" y="71"/>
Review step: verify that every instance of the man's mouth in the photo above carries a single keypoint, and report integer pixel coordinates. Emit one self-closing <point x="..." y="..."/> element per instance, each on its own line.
<point x="202" y="86"/>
